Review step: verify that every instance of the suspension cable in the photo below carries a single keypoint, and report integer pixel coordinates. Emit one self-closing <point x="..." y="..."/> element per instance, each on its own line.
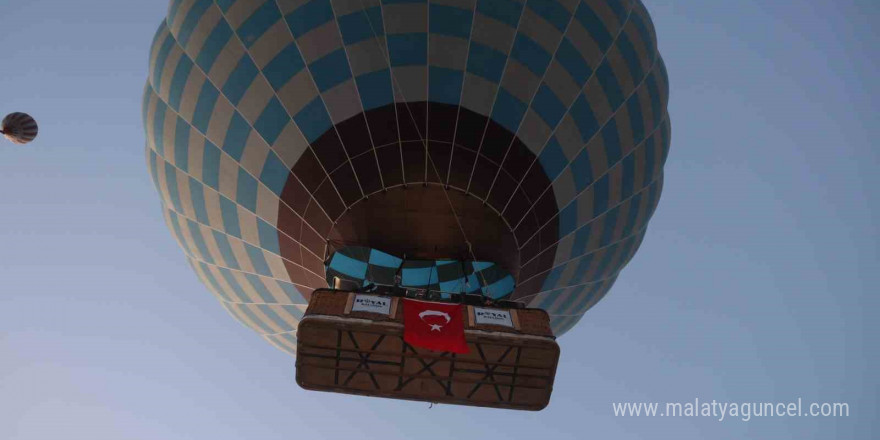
<point x="386" y="56"/>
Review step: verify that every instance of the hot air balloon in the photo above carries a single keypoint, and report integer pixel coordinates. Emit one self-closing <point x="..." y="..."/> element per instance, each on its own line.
<point x="19" y="128"/>
<point x="507" y="150"/>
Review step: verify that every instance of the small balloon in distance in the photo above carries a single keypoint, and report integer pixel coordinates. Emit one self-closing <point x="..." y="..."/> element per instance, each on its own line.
<point x="19" y="128"/>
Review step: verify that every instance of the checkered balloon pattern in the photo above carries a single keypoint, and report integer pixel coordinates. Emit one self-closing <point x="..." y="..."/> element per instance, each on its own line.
<point x="267" y="120"/>
<point x="362" y="266"/>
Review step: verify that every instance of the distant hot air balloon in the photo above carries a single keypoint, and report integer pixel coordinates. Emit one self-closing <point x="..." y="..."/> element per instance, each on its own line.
<point x="513" y="149"/>
<point x="20" y="128"/>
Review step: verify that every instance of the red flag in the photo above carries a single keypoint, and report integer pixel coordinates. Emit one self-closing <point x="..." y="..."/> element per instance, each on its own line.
<point x="435" y="326"/>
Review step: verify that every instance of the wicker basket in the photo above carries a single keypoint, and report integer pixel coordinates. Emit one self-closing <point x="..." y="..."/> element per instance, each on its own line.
<point x="364" y="353"/>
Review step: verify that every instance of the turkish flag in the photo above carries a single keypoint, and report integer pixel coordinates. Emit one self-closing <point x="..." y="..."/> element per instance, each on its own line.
<point x="435" y="326"/>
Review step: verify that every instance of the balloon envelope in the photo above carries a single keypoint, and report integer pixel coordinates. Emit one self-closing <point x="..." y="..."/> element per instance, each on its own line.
<point x="284" y="137"/>
<point x="19" y="128"/>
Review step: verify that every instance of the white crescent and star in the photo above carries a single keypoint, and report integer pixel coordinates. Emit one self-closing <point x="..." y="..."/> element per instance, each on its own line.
<point x="435" y="327"/>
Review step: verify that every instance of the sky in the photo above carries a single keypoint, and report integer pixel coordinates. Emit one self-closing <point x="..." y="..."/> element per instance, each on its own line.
<point x="756" y="281"/>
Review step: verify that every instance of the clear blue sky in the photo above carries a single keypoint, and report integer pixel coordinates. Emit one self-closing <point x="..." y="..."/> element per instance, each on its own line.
<point x="757" y="280"/>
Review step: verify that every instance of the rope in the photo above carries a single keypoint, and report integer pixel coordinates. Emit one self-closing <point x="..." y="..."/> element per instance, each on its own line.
<point x="427" y="155"/>
<point x="445" y="191"/>
<point x="366" y="255"/>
